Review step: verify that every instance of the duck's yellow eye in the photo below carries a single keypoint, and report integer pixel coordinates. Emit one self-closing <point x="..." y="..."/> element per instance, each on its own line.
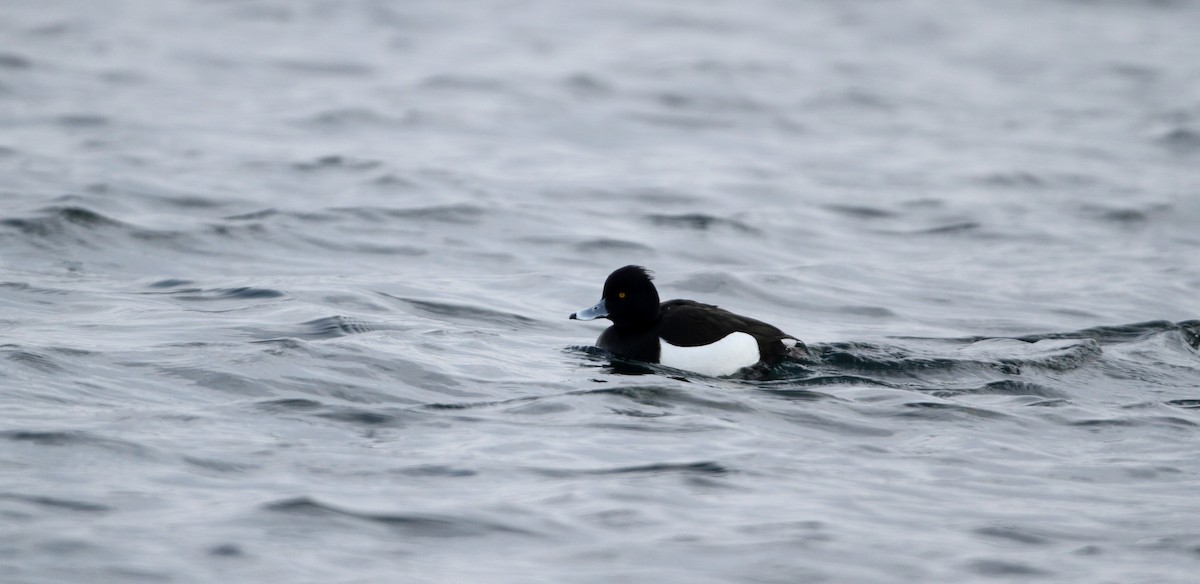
<point x="620" y="294"/>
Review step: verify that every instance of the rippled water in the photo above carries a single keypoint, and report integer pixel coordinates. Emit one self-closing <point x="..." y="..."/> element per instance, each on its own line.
<point x="284" y="287"/>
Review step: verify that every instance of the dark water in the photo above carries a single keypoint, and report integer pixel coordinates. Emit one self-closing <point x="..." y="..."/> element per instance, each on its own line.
<point x="284" y="286"/>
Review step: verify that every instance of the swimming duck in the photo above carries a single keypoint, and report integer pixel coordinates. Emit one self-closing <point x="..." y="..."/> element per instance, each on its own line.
<point x="682" y="334"/>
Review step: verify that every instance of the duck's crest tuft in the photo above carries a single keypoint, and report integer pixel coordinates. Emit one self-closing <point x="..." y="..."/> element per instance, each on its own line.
<point x="629" y="270"/>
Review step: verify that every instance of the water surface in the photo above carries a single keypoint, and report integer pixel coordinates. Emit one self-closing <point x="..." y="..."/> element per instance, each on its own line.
<point x="284" y="287"/>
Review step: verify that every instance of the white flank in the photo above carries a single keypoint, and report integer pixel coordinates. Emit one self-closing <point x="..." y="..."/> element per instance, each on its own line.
<point x="724" y="357"/>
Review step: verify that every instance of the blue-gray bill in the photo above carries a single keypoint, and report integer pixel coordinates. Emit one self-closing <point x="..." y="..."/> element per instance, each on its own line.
<point x="600" y="310"/>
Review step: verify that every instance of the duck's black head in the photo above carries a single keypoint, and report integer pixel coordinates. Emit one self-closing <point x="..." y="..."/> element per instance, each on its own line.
<point x="630" y="299"/>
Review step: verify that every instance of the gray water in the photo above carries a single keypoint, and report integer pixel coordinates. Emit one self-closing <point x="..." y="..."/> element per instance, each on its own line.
<point x="284" y="287"/>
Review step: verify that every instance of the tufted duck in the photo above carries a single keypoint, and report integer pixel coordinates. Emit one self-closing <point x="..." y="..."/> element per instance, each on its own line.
<point x="682" y="334"/>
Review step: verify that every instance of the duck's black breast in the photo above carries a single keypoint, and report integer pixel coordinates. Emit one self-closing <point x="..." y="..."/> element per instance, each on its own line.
<point x="638" y="344"/>
<point x="687" y="323"/>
